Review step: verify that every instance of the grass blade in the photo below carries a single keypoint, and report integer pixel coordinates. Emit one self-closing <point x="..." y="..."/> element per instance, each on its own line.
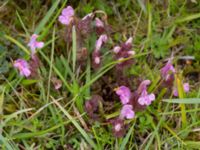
<point x="181" y="95"/>
<point x="17" y="43"/>
<point x="188" y="18"/>
<point x="75" y="123"/>
<point x="126" y="139"/>
<point x="47" y="17"/>
<point x="74" y="50"/>
<point x="183" y="100"/>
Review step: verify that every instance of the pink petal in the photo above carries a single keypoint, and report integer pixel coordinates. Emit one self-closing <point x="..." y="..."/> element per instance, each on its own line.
<point x="64" y="20"/>
<point x="167" y="69"/>
<point x="186" y="87"/>
<point x="127" y="112"/>
<point x="129" y="41"/>
<point x="69" y="11"/>
<point x="152" y="97"/>
<point x="23" y="67"/>
<point x="88" y="15"/>
<point x="39" y="44"/>
<point x="146" y="99"/>
<point x="124" y="94"/>
<point x="26" y="72"/>
<point x="98" y="44"/>
<point x="143" y="86"/>
<point x="33" y="44"/>
<point x="102" y="39"/>
<point x="99" y="23"/>
<point x="117" y="127"/>
<point x="131" y="52"/>
<point x="116" y="49"/>
<point x="141" y="100"/>
<point x="175" y="92"/>
<point x="97" y="60"/>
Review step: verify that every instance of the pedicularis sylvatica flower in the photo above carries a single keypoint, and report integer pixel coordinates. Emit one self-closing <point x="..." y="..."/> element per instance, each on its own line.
<point x="34" y="44"/>
<point x="145" y="98"/>
<point x="124" y="94"/>
<point x="126" y="98"/>
<point x="124" y="51"/>
<point x="167" y="73"/>
<point x="127" y="112"/>
<point x="131" y="102"/>
<point x="168" y="70"/>
<point x="186" y="88"/>
<point x="67" y="15"/>
<point x="23" y="67"/>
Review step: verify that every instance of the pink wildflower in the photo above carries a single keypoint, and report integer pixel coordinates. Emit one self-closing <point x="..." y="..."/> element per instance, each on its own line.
<point x="67" y="15"/>
<point x="129" y="41"/>
<point x="23" y="67"/>
<point x="124" y="94"/>
<point x="127" y="112"/>
<point x="33" y="44"/>
<point x="96" y="59"/>
<point x="145" y="98"/>
<point x="186" y="88"/>
<point x="118" y="127"/>
<point x="143" y="86"/>
<point x="116" y="49"/>
<point x="102" y="39"/>
<point x="167" y="70"/>
<point x="99" y="23"/>
<point x="88" y="15"/>
<point x="124" y="51"/>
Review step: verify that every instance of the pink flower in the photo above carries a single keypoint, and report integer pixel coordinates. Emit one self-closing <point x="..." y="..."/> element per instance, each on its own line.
<point x="124" y="51"/>
<point x="33" y="44"/>
<point x="186" y="88"/>
<point x="167" y="70"/>
<point x="127" y="112"/>
<point x="67" y="15"/>
<point x="90" y="15"/>
<point x="145" y="98"/>
<point x="129" y="41"/>
<point x="102" y="39"/>
<point x="96" y="59"/>
<point x="99" y="23"/>
<point x="143" y="86"/>
<point x="118" y="127"/>
<point x="23" y="67"/>
<point x="116" y="49"/>
<point x="124" y="94"/>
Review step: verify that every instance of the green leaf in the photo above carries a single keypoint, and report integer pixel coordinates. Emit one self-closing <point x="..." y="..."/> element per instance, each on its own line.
<point x="183" y="100"/>
<point x="28" y="81"/>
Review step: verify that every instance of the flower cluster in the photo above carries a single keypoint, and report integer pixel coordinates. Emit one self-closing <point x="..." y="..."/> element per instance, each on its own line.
<point x="124" y="51"/>
<point x="22" y="65"/>
<point x="99" y="43"/>
<point x="127" y="99"/>
<point x="131" y="101"/>
<point x="84" y="27"/>
<point x="167" y="73"/>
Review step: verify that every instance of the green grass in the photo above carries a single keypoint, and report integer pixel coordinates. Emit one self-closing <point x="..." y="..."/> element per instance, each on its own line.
<point x="33" y="115"/>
